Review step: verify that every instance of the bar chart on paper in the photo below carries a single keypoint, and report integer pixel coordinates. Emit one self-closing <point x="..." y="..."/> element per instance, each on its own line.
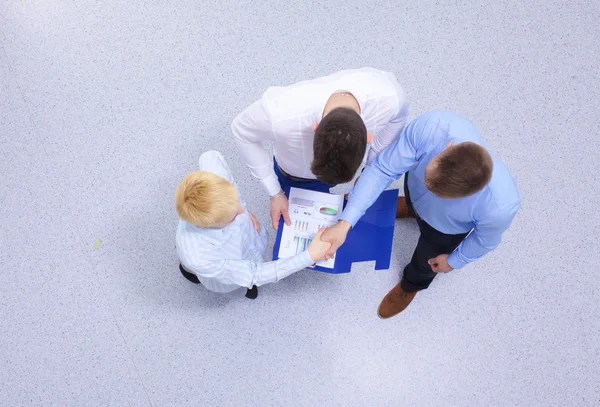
<point x="309" y="211"/>
<point x="301" y="243"/>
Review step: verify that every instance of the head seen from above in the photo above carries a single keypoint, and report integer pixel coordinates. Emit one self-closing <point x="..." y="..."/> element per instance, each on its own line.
<point x="207" y="201"/>
<point x="459" y="171"/>
<point x="339" y="146"/>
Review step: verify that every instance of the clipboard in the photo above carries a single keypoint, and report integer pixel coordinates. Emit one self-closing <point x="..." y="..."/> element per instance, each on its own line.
<point x="371" y="239"/>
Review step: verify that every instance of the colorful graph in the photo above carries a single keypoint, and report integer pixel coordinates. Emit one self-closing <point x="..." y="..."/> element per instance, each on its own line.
<point x="301" y="243"/>
<point x="309" y="212"/>
<point x="328" y="211"/>
<point x="301" y="226"/>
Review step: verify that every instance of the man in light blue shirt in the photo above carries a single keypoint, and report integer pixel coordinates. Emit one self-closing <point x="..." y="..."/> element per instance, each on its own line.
<point x="462" y="197"/>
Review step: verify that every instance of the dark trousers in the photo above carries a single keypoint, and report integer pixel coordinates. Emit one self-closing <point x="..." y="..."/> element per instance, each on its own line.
<point x="312" y="184"/>
<point x="418" y="274"/>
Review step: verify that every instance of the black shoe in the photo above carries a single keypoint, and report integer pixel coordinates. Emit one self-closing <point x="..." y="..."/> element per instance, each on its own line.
<point x="189" y="276"/>
<point x="252" y="293"/>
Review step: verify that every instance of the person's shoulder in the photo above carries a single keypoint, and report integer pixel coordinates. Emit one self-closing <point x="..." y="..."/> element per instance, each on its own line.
<point x="503" y="198"/>
<point x="188" y="236"/>
<point x="213" y="161"/>
<point x="198" y="247"/>
<point x="447" y="119"/>
<point x="291" y="102"/>
<point x="307" y="97"/>
<point x="449" y="126"/>
<point x="434" y="128"/>
<point x="374" y="85"/>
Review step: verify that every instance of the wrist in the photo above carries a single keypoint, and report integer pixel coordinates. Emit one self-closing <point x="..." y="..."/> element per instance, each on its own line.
<point x="454" y="262"/>
<point x="351" y="214"/>
<point x="277" y="195"/>
<point x="345" y="225"/>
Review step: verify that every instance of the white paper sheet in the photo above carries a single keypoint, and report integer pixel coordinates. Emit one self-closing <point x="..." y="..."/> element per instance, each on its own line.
<point x="309" y="211"/>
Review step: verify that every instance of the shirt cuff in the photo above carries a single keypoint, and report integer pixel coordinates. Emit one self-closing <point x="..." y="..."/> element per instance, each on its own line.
<point x="271" y="184"/>
<point x="455" y="262"/>
<point x="306" y="259"/>
<point x="351" y="215"/>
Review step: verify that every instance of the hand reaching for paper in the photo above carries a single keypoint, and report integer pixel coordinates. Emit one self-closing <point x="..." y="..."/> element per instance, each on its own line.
<point x="279" y="207"/>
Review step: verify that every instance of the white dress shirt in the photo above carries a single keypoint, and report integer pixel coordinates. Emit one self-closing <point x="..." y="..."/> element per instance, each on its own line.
<point x="285" y="116"/>
<point x="234" y="256"/>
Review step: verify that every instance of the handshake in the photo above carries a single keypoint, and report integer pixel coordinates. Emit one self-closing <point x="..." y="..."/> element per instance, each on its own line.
<point x="327" y="240"/>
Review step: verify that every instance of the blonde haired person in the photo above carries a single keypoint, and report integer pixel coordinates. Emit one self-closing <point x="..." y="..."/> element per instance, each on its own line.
<point x="220" y="243"/>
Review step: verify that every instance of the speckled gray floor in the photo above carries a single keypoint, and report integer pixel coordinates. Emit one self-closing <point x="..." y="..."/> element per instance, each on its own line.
<point x="105" y="107"/>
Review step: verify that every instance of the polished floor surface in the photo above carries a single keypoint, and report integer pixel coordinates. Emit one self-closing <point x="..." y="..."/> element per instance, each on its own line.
<point x="105" y="106"/>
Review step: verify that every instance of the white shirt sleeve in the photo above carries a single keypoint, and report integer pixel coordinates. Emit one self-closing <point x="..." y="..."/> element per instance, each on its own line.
<point x="392" y="130"/>
<point x="246" y="273"/>
<point x="251" y="128"/>
<point x="213" y="161"/>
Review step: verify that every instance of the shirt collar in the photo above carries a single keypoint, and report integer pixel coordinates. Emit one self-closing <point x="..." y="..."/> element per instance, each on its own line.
<point x="360" y="98"/>
<point x="361" y="101"/>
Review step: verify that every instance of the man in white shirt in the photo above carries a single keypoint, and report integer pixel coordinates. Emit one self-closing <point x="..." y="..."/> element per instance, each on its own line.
<point x="220" y="243"/>
<point x="322" y="131"/>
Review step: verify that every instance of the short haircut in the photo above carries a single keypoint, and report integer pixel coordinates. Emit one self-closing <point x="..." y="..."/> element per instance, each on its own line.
<point x="206" y="200"/>
<point x="339" y="146"/>
<point x="461" y="170"/>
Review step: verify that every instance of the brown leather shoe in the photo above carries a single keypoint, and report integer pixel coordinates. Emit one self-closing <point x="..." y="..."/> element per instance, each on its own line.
<point x="402" y="209"/>
<point x="394" y="302"/>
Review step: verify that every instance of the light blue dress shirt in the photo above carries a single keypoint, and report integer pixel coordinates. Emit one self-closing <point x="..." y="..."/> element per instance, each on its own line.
<point x="487" y="214"/>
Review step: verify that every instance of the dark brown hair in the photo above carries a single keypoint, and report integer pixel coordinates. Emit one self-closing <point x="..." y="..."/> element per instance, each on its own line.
<point x="339" y="146"/>
<point x="460" y="171"/>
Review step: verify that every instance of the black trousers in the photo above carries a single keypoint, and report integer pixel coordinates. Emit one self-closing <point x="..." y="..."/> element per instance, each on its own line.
<point x="418" y="273"/>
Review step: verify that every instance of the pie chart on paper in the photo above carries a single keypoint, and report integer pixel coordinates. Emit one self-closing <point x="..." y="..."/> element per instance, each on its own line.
<point x="328" y="211"/>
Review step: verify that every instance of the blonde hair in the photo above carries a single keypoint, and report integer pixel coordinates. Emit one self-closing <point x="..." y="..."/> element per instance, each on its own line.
<point x="206" y="200"/>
